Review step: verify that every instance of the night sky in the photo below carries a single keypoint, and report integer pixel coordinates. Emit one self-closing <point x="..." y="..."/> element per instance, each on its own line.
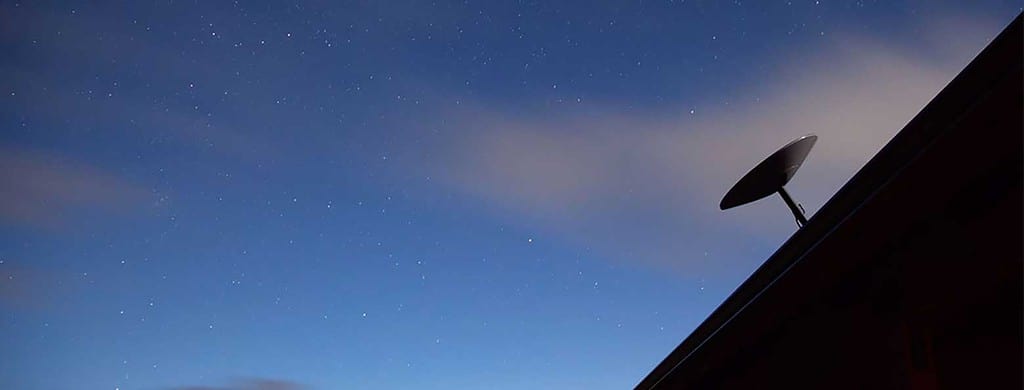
<point x="415" y="194"/>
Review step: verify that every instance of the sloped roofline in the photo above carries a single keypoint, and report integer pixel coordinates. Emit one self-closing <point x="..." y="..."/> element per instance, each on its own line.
<point x="1002" y="55"/>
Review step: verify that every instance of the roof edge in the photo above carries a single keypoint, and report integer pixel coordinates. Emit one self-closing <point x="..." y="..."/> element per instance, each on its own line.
<point x="986" y="70"/>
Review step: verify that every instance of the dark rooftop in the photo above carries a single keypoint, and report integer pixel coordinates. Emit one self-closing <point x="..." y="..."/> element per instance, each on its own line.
<point x="910" y="276"/>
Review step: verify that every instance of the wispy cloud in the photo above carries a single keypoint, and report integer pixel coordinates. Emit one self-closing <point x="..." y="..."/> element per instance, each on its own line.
<point x="644" y="187"/>
<point x="50" y="94"/>
<point x="28" y="287"/>
<point x="42" y="189"/>
<point x="251" y="384"/>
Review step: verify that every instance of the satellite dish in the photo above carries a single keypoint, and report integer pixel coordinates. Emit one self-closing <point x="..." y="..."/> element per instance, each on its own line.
<point x="770" y="176"/>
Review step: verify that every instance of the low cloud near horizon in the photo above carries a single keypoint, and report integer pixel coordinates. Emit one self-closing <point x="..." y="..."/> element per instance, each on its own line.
<point x="643" y="186"/>
<point x="250" y="384"/>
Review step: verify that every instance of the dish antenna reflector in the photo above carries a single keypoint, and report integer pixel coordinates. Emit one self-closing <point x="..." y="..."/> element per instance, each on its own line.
<point x="770" y="176"/>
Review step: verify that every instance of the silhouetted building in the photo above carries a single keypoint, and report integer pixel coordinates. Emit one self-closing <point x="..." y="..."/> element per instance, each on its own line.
<point x="909" y="277"/>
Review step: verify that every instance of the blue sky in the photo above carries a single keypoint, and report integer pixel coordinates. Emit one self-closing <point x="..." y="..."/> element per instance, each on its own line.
<point x="418" y="194"/>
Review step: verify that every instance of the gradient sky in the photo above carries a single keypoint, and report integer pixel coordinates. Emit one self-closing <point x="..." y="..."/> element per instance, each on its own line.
<point x="414" y="194"/>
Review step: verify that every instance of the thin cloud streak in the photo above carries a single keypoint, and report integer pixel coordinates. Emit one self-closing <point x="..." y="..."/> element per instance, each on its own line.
<point x="27" y="287"/>
<point x="644" y="187"/>
<point x="251" y="384"/>
<point x="41" y="190"/>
